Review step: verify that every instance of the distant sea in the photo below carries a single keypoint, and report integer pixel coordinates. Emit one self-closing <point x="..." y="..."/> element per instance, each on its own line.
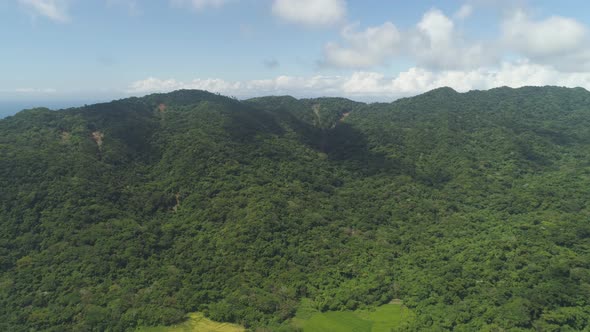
<point x="8" y="108"/>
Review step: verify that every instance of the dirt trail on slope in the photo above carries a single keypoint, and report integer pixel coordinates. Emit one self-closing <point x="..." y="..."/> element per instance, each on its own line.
<point x="318" y="119"/>
<point x="316" y="111"/>
<point x="175" y="207"/>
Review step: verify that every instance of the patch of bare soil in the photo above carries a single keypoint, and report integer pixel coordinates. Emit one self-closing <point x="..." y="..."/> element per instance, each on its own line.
<point x="344" y="116"/>
<point x="65" y="136"/>
<point x="97" y="137"/>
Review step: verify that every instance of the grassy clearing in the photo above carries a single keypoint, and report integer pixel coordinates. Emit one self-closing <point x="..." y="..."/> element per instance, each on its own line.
<point x="197" y="322"/>
<point x="385" y="318"/>
<point x="344" y="321"/>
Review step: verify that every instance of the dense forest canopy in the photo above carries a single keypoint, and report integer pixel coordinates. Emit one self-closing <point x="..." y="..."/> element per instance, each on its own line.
<point x="471" y="208"/>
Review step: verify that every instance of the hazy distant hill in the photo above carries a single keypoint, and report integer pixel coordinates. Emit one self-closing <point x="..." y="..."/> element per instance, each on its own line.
<point x="472" y="208"/>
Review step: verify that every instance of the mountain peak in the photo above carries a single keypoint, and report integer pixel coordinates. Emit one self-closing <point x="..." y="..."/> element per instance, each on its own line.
<point x="443" y="91"/>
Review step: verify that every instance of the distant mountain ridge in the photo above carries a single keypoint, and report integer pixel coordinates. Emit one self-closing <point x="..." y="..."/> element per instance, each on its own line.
<point x="471" y="207"/>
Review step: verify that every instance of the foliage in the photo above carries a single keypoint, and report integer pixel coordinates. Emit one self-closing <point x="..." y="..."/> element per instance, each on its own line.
<point x="472" y="208"/>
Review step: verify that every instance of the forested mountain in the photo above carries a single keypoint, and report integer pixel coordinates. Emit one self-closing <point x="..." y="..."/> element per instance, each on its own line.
<point x="471" y="208"/>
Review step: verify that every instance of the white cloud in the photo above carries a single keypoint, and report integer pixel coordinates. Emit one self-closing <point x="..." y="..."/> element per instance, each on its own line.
<point x="55" y="10"/>
<point x="199" y="4"/>
<point x="279" y="85"/>
<point x="372" y="46"/>
<point x="376" y="86"/>
<point x="513" y="74"/>
<point x="464" y="12"/>
<point x="154" y="85"/>
<point x="433" y="43"/>
<point x="310" y="12"/>
<point x="436" y="44"/>
<point x="553" y="36"/>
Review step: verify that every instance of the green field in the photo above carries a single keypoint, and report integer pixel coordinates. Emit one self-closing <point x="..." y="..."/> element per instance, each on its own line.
<point x="385" y="318"/>
<point x="197" y="322"/>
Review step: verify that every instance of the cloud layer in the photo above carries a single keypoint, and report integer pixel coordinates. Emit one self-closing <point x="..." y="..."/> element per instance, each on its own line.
<point x="55" y="10"/>
<point x="553" y="36"/>
<point x="29" y="91"/>
<point x="433" y="42"/>
<point x="310" y="12"/>
<point x="376" y="86"/>
<point x="363" y="49"/>
<point x="559" y="41"/>
<point x="198" y="4"/>
<point x="436" y="43"/>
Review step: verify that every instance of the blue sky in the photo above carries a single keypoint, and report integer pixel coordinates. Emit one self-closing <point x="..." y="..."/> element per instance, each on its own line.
<point x="73" y="51"/>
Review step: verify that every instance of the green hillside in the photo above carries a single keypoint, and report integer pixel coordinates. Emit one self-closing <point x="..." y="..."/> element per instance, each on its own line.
<point x="472" y="208"/>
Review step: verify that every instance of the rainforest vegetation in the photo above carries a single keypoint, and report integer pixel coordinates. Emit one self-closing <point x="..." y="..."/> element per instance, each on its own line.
<point x="471" y="208"/>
